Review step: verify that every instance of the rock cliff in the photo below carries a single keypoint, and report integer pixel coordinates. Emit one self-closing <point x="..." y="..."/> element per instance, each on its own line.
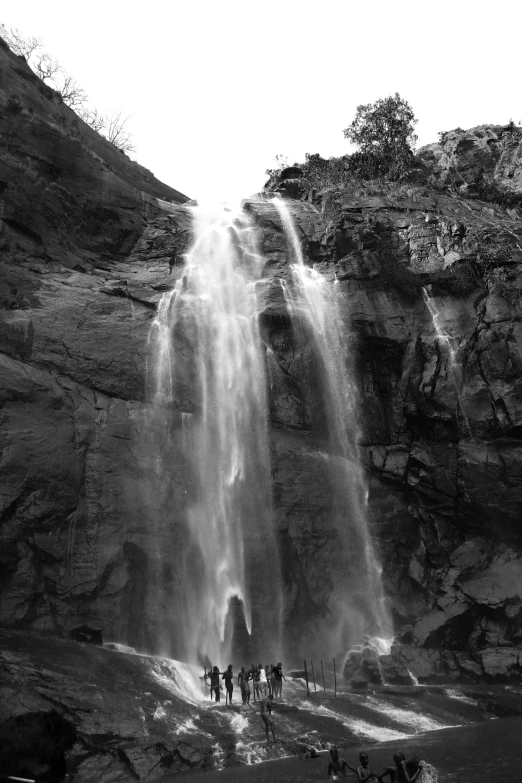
<point x="90" y="528"/>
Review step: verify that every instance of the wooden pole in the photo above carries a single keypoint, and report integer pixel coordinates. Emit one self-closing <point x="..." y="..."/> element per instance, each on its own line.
<point x="324" y="686"/>
<point x="313" y="675"/>
<point x="306" y="677"/>
<point x="335" y="680"/>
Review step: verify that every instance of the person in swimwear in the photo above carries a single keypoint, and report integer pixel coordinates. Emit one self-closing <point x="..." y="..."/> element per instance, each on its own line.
<point x="242" y="681"/>
<point x="398" y="772"/>
<point x="266" y="715"/>
<point x="228" y="676"/>
<point x="337" y="765"/>
<point x="364" y="772"/>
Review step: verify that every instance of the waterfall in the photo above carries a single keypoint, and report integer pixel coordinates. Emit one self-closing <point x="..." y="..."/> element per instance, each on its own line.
<point x="358" y="606"/>
<point x="449" y="342"/>
<point x="206" y="329"/>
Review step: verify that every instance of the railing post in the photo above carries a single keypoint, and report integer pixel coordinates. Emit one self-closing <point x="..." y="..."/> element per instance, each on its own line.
<point x="313" y="675"/>
<point x="335" y="680"/>
<point x="324" y="686"/>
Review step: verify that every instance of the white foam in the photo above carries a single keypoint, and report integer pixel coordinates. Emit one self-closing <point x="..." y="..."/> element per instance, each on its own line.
<point x="459" y="696"/>
<point x="429" y="774"/>
<point x="249" y="752"/>
<point x="179" y="678"/>
<point x="159" y="713"/>
<point x="238" y="723"/>
<point x="359" y="727"/>
<point x="407" y="717"/>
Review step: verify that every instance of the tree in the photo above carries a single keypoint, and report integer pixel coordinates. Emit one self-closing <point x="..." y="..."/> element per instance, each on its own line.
<point x="384" y="131"/>
<point x="18" y="43"/>
<point x="73" y="95"/>
<point x="116" y="132"/>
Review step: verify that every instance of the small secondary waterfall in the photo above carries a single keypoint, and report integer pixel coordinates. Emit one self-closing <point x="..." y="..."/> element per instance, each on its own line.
<point x="313" y="300"/>
<point x="208" y="325"/>
<point x="446" y="339"/>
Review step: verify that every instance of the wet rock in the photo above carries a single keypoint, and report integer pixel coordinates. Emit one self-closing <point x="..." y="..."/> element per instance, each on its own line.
<point x="500" y="663"/>
<point x="86" y="634"/>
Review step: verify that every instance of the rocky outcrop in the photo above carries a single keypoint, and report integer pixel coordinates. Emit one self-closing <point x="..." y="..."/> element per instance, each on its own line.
<point x="464" y="158"/>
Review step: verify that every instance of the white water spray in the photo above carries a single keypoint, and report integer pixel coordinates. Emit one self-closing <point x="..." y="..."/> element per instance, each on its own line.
<point x="314" y="301"/>
<point x="208" y="323"/>
<point x="449" y="342"/>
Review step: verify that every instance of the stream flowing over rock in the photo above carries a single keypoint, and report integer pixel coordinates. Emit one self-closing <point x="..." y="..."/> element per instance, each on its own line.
<point x="93" y="500"/>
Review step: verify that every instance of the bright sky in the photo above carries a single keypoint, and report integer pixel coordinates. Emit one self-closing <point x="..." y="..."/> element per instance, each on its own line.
<point x="215" y="89"/>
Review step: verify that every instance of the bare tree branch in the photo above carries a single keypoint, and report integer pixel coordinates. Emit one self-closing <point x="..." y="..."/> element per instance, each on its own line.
<point x="94" y="118"/>
<point x="46" y="67"/>
<point x="117" y="134"/>
<point x="73" y="95"/>
<point x="18" y="43"/>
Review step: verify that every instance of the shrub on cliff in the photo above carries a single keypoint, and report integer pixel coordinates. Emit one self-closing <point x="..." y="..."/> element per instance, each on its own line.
<point x="384" y="131"/>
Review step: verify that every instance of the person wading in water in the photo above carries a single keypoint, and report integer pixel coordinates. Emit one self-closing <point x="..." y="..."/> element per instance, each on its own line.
<point x="364" y="772"/>
<point x="214" y="683"/>
<point x="229" y="685"/>
<point x="398" y="772"/>
<point x="266" y="715"/>
<point x="337" y="764"/>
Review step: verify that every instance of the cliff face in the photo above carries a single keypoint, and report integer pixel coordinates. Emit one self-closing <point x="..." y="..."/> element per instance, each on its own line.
<point x="465" y="157"/>
<point x="91" y="526"/>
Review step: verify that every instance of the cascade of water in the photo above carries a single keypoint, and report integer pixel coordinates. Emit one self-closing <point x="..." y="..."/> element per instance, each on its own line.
<point x="313" y="301"/>
<point x="231" y="543"/>
<point x="446" y="339"/>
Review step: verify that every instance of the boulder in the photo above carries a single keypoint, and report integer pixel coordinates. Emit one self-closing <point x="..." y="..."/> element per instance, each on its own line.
<point x="501" y="664"/>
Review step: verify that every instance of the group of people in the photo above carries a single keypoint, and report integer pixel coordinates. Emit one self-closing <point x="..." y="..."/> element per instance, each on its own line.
<point x="397" y="772"/>
<point x="266" y="681"/>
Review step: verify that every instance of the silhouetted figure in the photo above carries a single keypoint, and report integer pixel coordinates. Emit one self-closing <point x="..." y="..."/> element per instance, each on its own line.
<point x="364" y="772"/>
<point x="262" y="683"/>
<point x="398" y="772"/>
<point x="229" y="685"/>
<point x="266" y="715"/>
<point x="337" y="765"/>
<point x="242" y="681"/>
<point x="33" y="746"/>
<point x="214" y="683"/>
<point x="278" y="680"/>
<point x="253" y="675"/>
<point x="268" y="671"/>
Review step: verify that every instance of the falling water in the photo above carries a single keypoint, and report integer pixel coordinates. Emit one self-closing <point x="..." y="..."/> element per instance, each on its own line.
<point x="210" y="316"/>
<point x="315" y="301"/>
<point x="446" y="339"/>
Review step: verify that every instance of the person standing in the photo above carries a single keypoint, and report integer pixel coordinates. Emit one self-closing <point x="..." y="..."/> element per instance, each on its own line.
<point x="268" y="672"/>
<point x="252" y="673"/>
<point x="242" y="681"/>
<point x="263" y="684"/>
<point x="213" y="675"/>
<point x="278" y="680"/>
<point x="266" y="715"/>
<point x="256" y="677"/>
<point x="228" y="676"/>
